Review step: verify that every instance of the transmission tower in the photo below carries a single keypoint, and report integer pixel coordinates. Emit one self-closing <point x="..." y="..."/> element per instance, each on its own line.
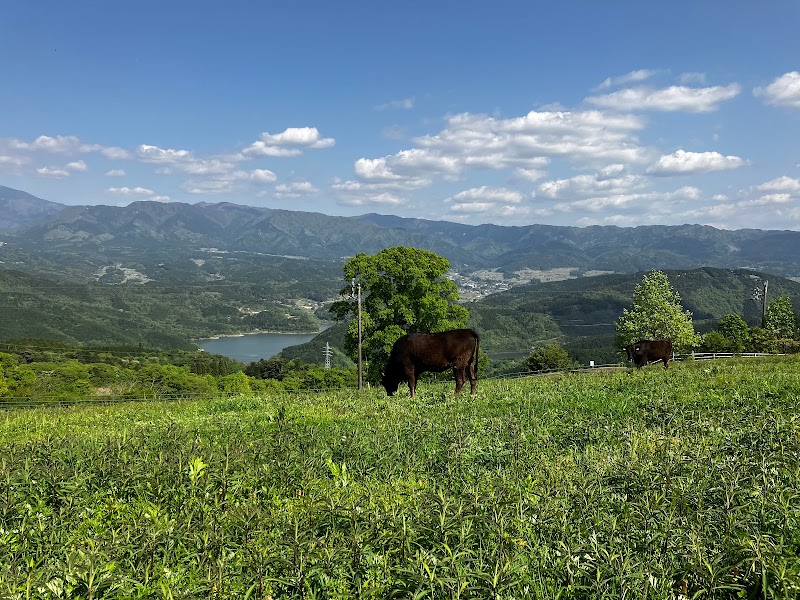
<point x="328" y="352"/>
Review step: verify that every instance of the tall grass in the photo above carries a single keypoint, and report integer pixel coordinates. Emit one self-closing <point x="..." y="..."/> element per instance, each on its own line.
<point x="649" y="484"/>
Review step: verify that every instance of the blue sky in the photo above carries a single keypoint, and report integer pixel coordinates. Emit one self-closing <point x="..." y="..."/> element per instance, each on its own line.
<point x="564" y="113"/>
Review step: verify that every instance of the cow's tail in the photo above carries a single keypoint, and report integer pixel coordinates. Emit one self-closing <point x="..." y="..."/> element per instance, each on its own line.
<point x="475" y="352"/>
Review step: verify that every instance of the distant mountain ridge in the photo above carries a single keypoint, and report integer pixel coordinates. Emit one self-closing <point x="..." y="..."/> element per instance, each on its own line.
<point x="145" y="226"/>
<point x="19" y="208"/>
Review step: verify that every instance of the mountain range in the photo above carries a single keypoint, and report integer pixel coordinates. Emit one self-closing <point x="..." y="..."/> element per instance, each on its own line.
<point x="162" y="274"/>
<point x="107" y="233"/>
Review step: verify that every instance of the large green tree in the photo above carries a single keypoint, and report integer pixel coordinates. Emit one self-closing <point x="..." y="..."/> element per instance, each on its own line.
<point x="404" y="290"/>
<point x="780" y="318"/>
<point x="735" y="331"/>
<point x="656" y="314"/>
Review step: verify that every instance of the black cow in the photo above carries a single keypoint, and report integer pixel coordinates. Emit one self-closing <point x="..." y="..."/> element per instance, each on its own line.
<point x="646" y="351"/>
<point x="416" y="353"/>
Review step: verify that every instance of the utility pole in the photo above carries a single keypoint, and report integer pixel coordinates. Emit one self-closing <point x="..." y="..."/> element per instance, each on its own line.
<point x="360" y="376"/>
<point x="327" y="353"/>
<point x="764" y="303"/>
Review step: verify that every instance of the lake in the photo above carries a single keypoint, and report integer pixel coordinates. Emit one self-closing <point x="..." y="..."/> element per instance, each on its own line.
<point x="253" y="346"/>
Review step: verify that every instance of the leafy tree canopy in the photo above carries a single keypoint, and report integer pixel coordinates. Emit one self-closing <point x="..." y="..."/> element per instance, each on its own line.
<point x="549" y="358"/>
<point x="780" y="317"/>
<point x="734" y="329"/>
<point x="404" y="290"/>
<point x="656" y="313"/>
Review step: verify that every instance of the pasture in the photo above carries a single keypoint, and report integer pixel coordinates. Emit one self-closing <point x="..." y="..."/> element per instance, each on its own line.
<point x="655" y="484"/>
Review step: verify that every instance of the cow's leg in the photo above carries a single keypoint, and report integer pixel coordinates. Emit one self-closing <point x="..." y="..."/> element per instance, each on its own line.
<point x="473" y="378"/>
<point x="459" y="374"/>
<point x="412" y="383"/>
<point x="666" y="362"/>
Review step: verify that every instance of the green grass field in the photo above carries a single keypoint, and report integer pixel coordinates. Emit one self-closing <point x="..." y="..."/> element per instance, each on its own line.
<point x="652" y="484"/>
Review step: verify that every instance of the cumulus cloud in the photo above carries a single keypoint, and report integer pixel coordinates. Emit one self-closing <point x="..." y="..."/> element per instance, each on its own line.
<point x="77" y="165"/>
<point x="115" y="173"/>
<point x="290" y="142"/>
<point x="60" y="144"/>
<point x="500" y="202"/>
<point x="229" y="181"/>
<point x="12" y="163"/>
<point x="690" y="163"/>
<point x="172" y="161"/>
<point x="471" y="142"/>
<point x="126" y="191"/>
<point x="784" y="91"/>
<point x="295" y="189"/>
<point x="633" y="76"/>
<point x="55" y="172"/>
<point x="780" y="184"/>
<point x="611" y="181"/>
<point x="359" y="193"/>
<point x="671" y="99"/>
<point x="62" y="172"/>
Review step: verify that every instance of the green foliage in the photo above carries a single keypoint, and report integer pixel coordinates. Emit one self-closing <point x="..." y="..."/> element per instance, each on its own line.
<point x="404" y="290"/>
<point x="734" y="329"/>
<point x="656" y="314"/>
<point x="203" y="363"/>
<point x="235" y="383"/>
<point x="714" y="341"/>
<point x="762" y="340"/>
<point x="549" y="358"/>
<point x="780" y="318"/>
<point x="657" y="484"/>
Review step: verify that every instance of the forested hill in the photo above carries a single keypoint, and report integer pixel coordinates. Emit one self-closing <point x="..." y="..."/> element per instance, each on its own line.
<point x="146" y="227"/>
<point x="18" y="208"/>
<point x="583" y="312"/>
<point x="566" y="311"/>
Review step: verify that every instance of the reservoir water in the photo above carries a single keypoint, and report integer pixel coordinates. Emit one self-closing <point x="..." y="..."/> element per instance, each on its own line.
<point x="253" y="346"/>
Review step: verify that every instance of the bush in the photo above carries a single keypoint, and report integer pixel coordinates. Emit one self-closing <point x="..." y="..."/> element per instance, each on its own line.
<point x="549" y="358"/>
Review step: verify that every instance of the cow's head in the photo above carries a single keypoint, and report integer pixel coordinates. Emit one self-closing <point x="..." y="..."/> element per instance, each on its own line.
<point x="389" y="383"/>
<point x="629" y="350"/>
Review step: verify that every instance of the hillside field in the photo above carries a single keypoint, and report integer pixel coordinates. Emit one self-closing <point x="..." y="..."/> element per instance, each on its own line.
<point x="682" y="483"/>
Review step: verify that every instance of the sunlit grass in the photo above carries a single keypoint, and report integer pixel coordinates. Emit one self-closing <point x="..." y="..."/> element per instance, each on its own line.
<point x="640" y="484"/>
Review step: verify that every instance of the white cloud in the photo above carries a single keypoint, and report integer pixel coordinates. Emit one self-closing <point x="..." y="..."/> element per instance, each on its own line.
<point x="404" y="104"/>
<point x="780" y="184"/>
<point x="295" y="189"/>
<point x="689" y="163"/>
<point x="60" y="144"/>
<point x="126" y="191"/>
<point x="77" y="165"/>
<point x="499" y="202"/>
<point x="182" y="161"/>
<point x="609" y="181"/>
<point x="289" y="142"/>
<point x="674" y="98"/>
<point x="638" y="75"/>
<point x="261" y="176"/>
<point x="12" y="163"/>
<point x="524" y="144"/>
<point x="489" y="194"/>
<point x="229" y="181"/>
<point x="116" y="173"/>
<point x="52" y="172"/>
<point x="359" y="193"/>
<point x="784" y="91"/>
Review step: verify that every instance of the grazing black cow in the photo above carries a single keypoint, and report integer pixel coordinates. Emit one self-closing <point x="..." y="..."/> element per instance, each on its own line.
<point x="416" y="353"/>
<point x="646" y="351"/>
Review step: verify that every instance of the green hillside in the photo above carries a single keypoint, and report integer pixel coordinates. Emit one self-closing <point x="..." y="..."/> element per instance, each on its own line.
<point x="159" y="316"/>
<point x="645" y="484"/>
